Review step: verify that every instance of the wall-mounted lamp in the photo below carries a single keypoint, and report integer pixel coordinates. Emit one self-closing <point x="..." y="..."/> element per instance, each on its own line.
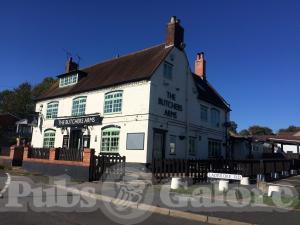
<point x="41" y="108"/>
<point x="63" y="130"/>
<point x="181" y="137"/>
<point x="84" y="129"/>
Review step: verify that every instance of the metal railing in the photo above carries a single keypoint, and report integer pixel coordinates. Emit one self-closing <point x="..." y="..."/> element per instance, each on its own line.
<point x="69" y="154"/>
<point x="38" y="153"/>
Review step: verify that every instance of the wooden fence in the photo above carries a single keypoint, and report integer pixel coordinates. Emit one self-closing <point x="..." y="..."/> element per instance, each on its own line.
<point x="198" y="169"/>
<point x="107" y="166"/>
<point x="4" y="151"/>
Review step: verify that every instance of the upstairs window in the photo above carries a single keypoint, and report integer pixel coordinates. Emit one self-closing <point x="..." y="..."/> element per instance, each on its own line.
<point x="68" y="80"/>
<point x="78" y="108"/>
<point x="204" y="113"/>
<point x="113" y="102"/>
<point x="110" y="140"/>
<point x="215" y="118"/>
<point x="49" y="139"/>
<point x="168" y="70"/>
<point x="52" y="110"/>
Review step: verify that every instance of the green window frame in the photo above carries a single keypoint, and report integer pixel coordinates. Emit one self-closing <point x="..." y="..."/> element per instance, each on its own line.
<point x="113" y="102"/>
<point x="68" y="80"/>
<point x="110" y="139"/>
<point x="192" y="145"/>
<point x="49" y="138"/>
<point x="214" y="148"/>
<point x="52" y="110"/>
<point x="78" y="107"/>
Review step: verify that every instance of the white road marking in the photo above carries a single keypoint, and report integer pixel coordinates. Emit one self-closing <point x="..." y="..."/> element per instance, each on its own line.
<point x="7" y="183"/>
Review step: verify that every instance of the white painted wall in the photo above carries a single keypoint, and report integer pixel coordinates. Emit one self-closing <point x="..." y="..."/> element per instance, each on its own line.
<point x="188" y="122"/>
<point x="133" y="118"/>
<point x="141" y="113"/>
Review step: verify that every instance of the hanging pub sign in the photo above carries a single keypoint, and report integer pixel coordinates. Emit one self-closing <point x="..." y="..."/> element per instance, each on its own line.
<point x="78" y="121"/>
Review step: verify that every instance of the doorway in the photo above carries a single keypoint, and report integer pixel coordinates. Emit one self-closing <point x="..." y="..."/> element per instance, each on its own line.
<point x="75" y="139"/>
<point x="159" y="144"/>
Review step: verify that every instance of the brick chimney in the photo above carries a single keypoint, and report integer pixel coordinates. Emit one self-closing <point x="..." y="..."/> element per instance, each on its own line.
<point x="200" y="66"/>
<point x="71" y="66"/>
<point x="175" y="33"/>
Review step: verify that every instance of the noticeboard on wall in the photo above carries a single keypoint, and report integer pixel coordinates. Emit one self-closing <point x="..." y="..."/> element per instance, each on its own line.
<point x="135" y="141"/>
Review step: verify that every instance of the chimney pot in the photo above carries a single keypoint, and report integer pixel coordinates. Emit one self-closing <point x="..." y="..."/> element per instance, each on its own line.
<point x="71" y="66"/>
<point x="200" y="66"/>
<point x="173" y="19"/>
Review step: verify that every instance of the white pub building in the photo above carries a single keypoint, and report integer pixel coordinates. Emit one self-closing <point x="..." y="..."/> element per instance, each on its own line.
<point x="144" y="105"/>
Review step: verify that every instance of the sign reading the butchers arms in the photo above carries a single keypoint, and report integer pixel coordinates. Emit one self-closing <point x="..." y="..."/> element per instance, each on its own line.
<point x="78" y="121"/>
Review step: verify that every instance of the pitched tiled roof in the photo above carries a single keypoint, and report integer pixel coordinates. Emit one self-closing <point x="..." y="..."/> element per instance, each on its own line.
<point x="207" y="93"/>
<point x="129" y="68"/>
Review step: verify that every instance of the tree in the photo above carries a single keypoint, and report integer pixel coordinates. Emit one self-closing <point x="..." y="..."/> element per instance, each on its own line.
<point x="244" y="132"/>
<point x="256" y="130"/>
<point x="23" y="101"/>
<point x="42" y="87"/>
<point x="232" y="127"/>
<point x="290" y="129"/>
<point x="259" y="130"/>
<point x="20" y="101"/>
<point x="7" y="101"/>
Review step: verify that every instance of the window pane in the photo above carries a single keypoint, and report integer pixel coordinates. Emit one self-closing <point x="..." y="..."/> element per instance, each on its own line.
<point x="214" y="148"/>
<point x="49" y="139"/>
<point x="204" y="116"/>
<point x="168" y="70"/>
<point x="68" y="80"/>
<point x="113" y="102"/>
<point x="192" y="145"/>
<point x="215" y="118"/>
<point x="79" y="105"/>
<point x="52" y="110"/>
<point x="110" y="140"/>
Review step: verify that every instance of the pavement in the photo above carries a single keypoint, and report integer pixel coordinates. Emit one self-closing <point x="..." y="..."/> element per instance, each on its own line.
<point x="190" y="213"/>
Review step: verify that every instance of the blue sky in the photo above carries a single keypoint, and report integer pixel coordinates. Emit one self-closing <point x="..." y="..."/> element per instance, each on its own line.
<point x="252" y="47"/>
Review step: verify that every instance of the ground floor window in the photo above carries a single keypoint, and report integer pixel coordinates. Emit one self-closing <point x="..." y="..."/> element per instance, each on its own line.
<point x="49" y="138"/>
<point x="214" y="148"/>
<point x="110" y="140"/>
<point x="192" y="145"/>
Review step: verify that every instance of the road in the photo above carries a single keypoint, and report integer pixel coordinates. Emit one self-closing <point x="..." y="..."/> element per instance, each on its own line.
<point x="42" y="216"/>
<point x="75" y="216"/>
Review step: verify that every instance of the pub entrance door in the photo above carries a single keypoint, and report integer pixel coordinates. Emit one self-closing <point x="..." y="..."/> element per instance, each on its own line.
<point x="76" y="139"/>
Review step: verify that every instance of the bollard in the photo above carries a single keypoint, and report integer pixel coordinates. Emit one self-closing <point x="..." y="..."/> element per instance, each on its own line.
<point x="176" y="183"/>
<point x="272" y="189"/>
<point x="245" y="181"/>
<point x="223" y="185"/>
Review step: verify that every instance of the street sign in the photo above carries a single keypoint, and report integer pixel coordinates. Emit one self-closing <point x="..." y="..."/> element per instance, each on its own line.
<point x="225" y="176"/>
